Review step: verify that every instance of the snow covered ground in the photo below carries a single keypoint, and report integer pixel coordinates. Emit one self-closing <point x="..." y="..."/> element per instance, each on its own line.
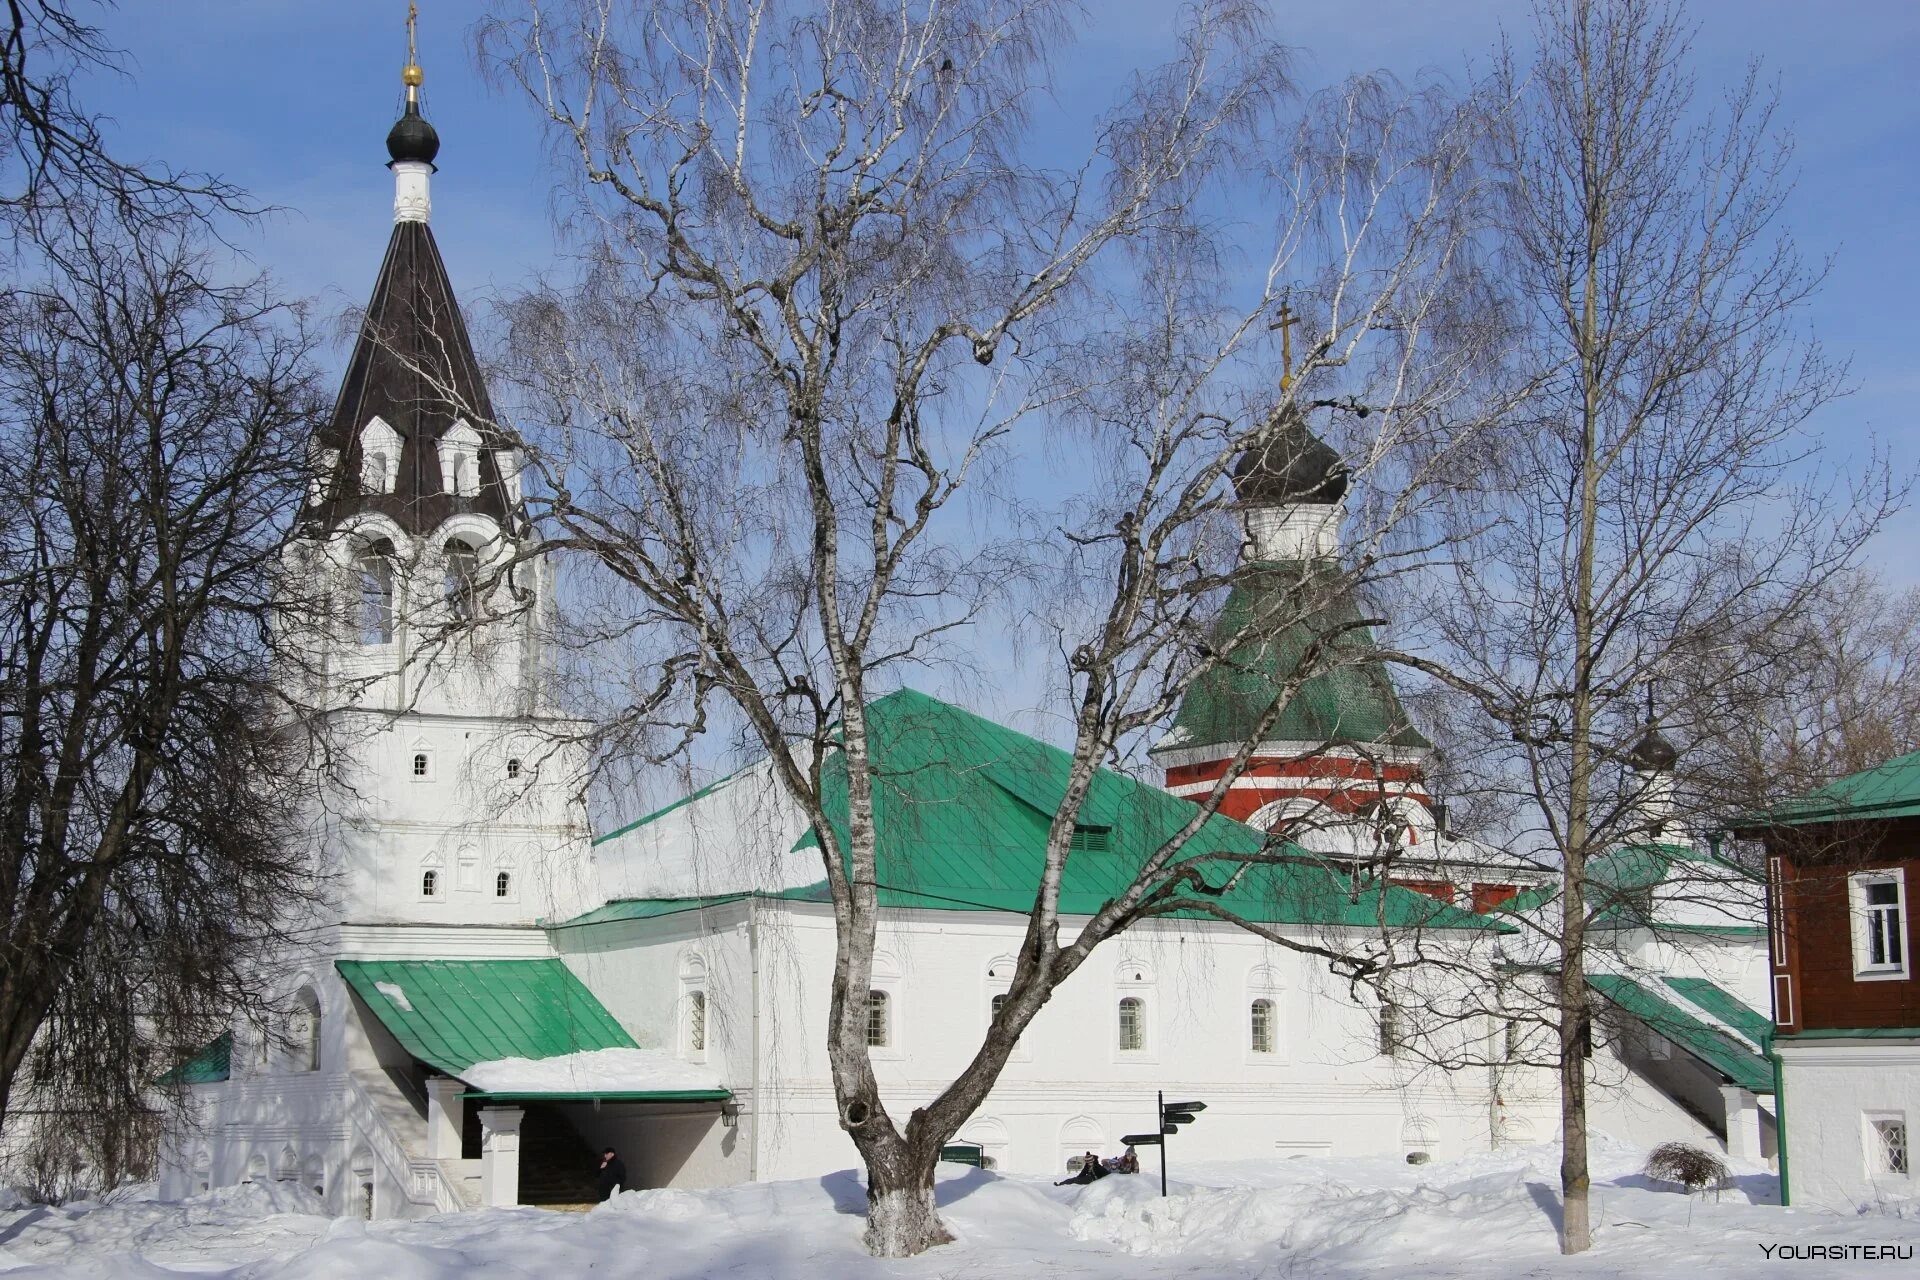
<point x="1481" y="1217"/>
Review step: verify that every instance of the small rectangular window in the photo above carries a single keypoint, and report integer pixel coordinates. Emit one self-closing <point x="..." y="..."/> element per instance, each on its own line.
<point x="1389" y="1030"/>
<point x="1260" y="1016"/>
<point x="1133" y="1024"/>
<point x="879" y="1025"/>
<point x="1777" y="903"/>
<point x="1887" y="1146"/>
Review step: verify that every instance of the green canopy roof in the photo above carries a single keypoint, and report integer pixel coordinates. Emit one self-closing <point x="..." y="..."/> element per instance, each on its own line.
<point x="451" y="1014"/>
<point x="962" y="808"/>
<point x="1890" y="790"/>
<point x="1354" y="701"/>
<point x="1734" y="1061"/>
<point x="212" y="1064"/>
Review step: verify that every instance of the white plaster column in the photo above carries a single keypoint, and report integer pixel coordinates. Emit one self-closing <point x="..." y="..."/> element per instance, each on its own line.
<point x="446" y="1117"/>
<point x="1743" y="1122"/>
<point x="500" y="1156"/>
<point x="411" y="199"/>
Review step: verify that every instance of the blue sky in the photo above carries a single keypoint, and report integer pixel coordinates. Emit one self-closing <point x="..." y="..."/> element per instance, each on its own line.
<point x="293" y="98"/>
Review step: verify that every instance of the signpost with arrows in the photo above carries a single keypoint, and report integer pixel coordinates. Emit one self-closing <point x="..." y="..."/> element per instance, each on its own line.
<point x="1172" y="1116"/>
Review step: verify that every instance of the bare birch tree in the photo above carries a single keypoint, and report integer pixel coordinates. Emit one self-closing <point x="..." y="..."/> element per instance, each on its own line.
<point x="1656" y="509"/>
<point x="828" y="285"/>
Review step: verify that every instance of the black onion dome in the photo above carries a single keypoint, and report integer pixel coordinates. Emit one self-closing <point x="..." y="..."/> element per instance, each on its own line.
<point x="1653" y="753"/>
<point x="1296" y="466"/>
<point x="412" y="138"/>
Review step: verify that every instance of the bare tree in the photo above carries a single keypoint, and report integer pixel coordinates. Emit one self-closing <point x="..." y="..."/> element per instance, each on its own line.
<point x="1656" y="505"/>
<point x="54" y="157"/>
<point x="152" y="436"/>
<point x="824" y="288"/>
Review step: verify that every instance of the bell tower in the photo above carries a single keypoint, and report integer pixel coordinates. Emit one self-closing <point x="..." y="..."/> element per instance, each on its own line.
<point x="460" y="806"/>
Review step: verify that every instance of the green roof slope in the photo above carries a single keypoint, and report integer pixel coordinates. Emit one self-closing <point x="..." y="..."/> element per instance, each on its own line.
<point x="962" y="806"/>
<point x="1890" y="790"/>
<point x="1351" y="703"/>
<point x="1731" y="1059"/>
<point x="451" y="1014"/>
<point x="212" y="1064"/>
<point x="1728" y="1008"/>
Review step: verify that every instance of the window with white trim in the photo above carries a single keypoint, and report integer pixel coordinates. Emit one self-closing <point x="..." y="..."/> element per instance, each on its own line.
<point x="430" y="882"/>
<point x="462" y="579"/>
<point x="1879" y="911"/>
<point x="879" y="1019"/>
<point x="1260" y="1025"/>
<point x="1133" y="1024"/>
<point x="1887" y="1150"/>
<point x="503" y="884"/>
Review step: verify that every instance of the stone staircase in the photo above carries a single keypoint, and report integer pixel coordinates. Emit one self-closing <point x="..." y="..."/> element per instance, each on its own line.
<point x="556" y="1166"/>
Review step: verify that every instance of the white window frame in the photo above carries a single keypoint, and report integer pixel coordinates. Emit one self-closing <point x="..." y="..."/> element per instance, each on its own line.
<point x="380" y="448"/>
<point x="1264" y="983"/>
<point x="441" y="886"/>
<point x="460" y="460"/>
<point x="1777" y="894"/>
<point x="1874" y="1145"/>
<point x="1864" y="970"/>
<point x="415" y="771"/>
<point x="513" y="884"/>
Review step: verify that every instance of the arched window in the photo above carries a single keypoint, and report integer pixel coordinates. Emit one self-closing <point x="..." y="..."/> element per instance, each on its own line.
<point x="696" y="1022"/>
<point x="999" y="1002"/>
<point x="1260" y="1025"/>
<point x="460" y="460"/>
<point x="463" y="578"/>
<point x="879" y="1019"/>
<point x="379" y="457"/>
<point x="502" y="885"/>
<point x="1133" y="1024"/>
<point x="429" y="882"/>
<point x="373" y="570"/>
<point x="513" y="767"/>
<point x="303" y="1031"/>
<point x="422" y="765"/>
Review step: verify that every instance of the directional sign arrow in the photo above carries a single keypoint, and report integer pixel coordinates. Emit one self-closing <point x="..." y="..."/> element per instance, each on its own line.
<point x="1141" y="1140"/>
<point x="1178" y="1117"/>
<point x="1183" y="1106"/>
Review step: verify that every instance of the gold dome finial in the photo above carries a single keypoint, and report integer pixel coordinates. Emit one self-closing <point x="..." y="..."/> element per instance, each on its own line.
<point x="411" y="75"/>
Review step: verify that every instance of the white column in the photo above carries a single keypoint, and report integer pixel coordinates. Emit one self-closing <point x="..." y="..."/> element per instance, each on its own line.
<point x="500" y="1155"/>
<point x="1743" y="1123"/>
<point x="411" y="201"/>
<point x="446" y="1117"/>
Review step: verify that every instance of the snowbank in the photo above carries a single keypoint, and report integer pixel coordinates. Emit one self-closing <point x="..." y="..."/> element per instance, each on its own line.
<point x="598" y="1071"/>
<point x="1469" y="1219"/>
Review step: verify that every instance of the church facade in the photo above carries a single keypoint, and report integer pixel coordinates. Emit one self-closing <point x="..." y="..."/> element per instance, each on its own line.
<point x="492" y="993"/>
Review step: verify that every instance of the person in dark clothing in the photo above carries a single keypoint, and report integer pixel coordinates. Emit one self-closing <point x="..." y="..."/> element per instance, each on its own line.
<point x="612" y="1173"/>
<point x="1091" y="1170"/>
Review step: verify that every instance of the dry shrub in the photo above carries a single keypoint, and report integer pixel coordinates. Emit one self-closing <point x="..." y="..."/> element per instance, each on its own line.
<point x="1689" y="1166"/>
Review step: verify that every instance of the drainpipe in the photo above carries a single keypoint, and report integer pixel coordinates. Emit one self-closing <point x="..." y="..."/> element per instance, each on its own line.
<point x="1780" y="1122"/>
<point x="753" y="962"/>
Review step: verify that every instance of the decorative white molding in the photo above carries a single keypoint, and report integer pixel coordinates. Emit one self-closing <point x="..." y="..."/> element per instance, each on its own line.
<point x="460" y="460"/>
<point x="379" y="457"/>
<point x="1174" y="757"/>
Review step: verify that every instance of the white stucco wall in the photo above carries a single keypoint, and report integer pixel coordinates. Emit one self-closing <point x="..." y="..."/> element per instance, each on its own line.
<point x="1832" y="1090"/>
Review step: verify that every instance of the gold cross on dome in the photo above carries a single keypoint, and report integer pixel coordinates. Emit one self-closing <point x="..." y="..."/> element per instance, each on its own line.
<point x="1284" y="322"/>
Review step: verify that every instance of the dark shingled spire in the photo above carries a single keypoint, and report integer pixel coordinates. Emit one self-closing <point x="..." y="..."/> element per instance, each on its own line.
<point x="414" y="367"/>
<point x="1295" y="467"/>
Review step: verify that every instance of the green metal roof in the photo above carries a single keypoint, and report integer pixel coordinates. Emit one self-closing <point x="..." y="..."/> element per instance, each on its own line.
<point x="1890" y="790"/>
<point x="213" y="1063"/>
<point x="1730" y="1009"/>
<point x="451" y="1014"/>
<point x="1733" y="1060"/>
<point x="1353" y="701"/>
<point x="962" y="806"/>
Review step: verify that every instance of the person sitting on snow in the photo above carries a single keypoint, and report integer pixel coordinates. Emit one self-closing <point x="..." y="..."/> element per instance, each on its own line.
<point x="1091" y="1170"/>
<point x="612" y="1174"/>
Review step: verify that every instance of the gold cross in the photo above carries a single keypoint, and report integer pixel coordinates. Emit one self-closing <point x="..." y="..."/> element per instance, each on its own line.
<point x="1284" y="322"/>
<point x="413" y="13"/>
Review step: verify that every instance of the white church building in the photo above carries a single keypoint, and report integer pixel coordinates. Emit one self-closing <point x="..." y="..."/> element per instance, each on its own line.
<point x="492" y="993"/>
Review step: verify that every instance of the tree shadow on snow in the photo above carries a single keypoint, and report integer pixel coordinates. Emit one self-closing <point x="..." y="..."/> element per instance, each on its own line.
<point x="849" y="1191"/>
<point x="1549" y="1201"/>
<point x="1754" y="1188"/>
